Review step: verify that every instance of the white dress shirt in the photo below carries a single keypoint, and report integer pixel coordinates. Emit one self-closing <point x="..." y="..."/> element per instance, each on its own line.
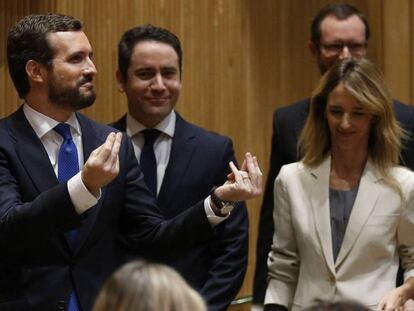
<point x="43" y="126"/>
<point x="162" y="151"/>
<point x="162" y="145"/>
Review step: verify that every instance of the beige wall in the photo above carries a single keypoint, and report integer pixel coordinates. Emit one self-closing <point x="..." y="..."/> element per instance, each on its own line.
<point x="242" y="59"/>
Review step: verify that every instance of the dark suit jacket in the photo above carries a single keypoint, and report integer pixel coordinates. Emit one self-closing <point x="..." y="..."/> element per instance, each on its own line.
<point x="198" y="161"/>
<point x="288" y="123"/>
<point x="36" y="261"/>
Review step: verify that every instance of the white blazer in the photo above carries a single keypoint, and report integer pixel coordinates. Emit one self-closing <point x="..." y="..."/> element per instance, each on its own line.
<point x="379" y="232"/>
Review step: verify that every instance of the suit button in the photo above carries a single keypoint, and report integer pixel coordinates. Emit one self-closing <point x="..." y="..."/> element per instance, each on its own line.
<point x="332" y="279"/>
<point x="61" y="305"/>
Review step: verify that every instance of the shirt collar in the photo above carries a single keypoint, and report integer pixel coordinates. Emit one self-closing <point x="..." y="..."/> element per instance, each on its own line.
<point x="43" y="124"/>
<point x="166" y="126"/>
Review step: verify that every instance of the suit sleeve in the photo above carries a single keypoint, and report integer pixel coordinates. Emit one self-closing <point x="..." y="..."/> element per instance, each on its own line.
<point x="405" y="236"/>
<point x="266" y="226"/>
<point x="143" y="227"/>
<point x="24" y="218"/>
<point x="283" y="262"/>
<point x="229" y="248"/>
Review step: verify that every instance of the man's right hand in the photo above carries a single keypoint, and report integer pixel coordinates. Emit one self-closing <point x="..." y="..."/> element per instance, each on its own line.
<point x="103" y="164"/>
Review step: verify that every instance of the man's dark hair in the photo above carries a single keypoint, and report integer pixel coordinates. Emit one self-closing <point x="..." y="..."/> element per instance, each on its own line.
<point x="145" y="33"/>
<point x="341" y="11"/>
<point x="27" y="40"/>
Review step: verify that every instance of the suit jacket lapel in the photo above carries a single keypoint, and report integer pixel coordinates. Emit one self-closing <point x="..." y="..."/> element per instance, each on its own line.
<point x="180" y="157"/>
<point x="34" y="158"/>
<point x="368" y="193"/>
<point x="319" y="198"/>
<point x="31" y="152"/>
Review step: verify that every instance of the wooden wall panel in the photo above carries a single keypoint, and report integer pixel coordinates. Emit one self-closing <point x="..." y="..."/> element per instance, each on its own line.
<point x="242" y="59"/>
<point x="397" y="47"/>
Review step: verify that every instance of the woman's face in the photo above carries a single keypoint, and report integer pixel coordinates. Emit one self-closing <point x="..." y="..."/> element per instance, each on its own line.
<point x="349" y="123"/>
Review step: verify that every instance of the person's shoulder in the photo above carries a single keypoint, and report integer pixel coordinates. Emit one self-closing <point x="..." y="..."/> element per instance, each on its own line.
<point x="402" y="173"/>
<point x="293" y="109"/>
<point x="204" y="135"/>
<point x="119" y="124"/>
<point x="6" y="137"/>
<point x="294" y="168"/>
<point x="88" y="123"/>
<point x="293" y="175"/>
<point x="3" y="125"/>
<point x="403" y="109"/>
<point x="400" y="105"/>
<point x="291" y="116"/>
<point x="404" y="177"/>
<point x="13" y="118"/>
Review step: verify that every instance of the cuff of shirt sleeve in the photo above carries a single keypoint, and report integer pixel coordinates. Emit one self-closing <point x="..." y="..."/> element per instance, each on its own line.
<point x="213" y="219"/>
<point x="81" y="198"/>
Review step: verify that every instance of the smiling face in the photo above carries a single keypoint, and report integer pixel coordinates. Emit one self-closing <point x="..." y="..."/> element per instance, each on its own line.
<point x="70" y="78"/>
<point x="349" y="123"/>
<point x="153" y="82"/>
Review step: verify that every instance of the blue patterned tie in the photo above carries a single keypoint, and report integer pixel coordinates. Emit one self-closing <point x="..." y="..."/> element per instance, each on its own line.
<point x="68" y="166"/>
<point x="148" y="161"/>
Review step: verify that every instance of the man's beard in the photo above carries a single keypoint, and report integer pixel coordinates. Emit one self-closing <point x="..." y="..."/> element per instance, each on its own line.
<point x="71" y="97"/>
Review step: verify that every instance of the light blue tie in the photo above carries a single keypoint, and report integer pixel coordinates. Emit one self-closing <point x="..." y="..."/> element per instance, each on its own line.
<point x="68" y="166"/>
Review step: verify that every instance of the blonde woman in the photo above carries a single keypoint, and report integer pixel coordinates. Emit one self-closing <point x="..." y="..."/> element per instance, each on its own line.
<point x="145" y="286"/>
<point x="344" y="214"/>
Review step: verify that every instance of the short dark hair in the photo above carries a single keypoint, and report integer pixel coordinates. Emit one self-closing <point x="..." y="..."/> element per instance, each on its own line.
<point x="341" y="11"/>
<point x="27" y="40"/>
<point x="145" y="33"/>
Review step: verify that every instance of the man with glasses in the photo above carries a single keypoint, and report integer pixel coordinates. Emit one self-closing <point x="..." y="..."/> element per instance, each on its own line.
<point x="338" y="31"/>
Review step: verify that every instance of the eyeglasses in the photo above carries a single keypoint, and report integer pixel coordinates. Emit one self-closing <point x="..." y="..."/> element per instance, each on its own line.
<point x="337" y="48"/>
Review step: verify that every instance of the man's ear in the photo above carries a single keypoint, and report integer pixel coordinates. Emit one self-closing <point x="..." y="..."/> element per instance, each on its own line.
<point x="120" y="80"/>
<point x="313" y="49"/>
<point x="36" y="71"/>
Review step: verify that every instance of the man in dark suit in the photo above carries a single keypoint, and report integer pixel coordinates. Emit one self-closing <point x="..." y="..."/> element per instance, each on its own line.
<point x="190" y="160"/>
<point x="73" y="202"/>
<point x="339" y="31"/>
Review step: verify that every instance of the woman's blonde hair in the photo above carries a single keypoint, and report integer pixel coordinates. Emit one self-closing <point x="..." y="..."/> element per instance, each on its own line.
<point x="366" y="84"/>
<point x="145" y="286"/>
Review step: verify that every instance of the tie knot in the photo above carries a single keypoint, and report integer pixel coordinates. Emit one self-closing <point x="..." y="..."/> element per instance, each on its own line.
<point x="150" y="135"/>
<point x="63" y="130"/>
